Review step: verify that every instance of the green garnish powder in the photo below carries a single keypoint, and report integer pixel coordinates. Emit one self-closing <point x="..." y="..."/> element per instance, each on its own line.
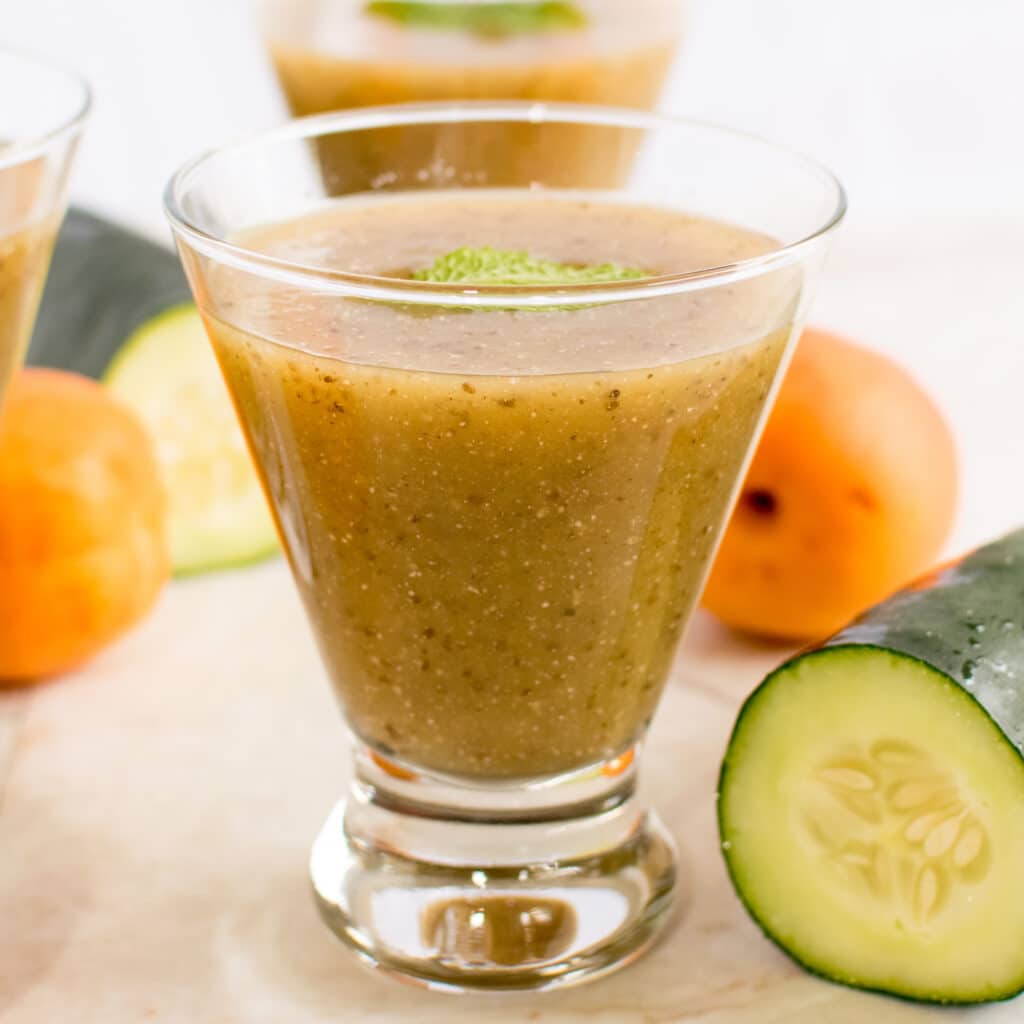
<point x="489" y="266"/>
<point x="493" y="19"/>
<point x="485" y="265"/>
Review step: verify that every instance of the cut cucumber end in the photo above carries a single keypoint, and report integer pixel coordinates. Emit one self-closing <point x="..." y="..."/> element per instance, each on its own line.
<point x="872" y="821"/>
<point x="167" y="373"/>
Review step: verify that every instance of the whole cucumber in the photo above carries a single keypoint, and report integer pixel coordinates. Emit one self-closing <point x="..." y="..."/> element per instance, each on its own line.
<point x="871" y="801"/>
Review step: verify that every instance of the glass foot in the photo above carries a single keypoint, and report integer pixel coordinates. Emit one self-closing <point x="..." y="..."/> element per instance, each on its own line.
<point x="518" y="887"/>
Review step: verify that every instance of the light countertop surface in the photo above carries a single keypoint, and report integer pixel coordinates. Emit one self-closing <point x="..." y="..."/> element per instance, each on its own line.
<point x="157" y="807"/>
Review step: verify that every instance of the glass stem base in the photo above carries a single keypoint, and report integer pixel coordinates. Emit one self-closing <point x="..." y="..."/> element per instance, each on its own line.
<point x="522" y="887"/>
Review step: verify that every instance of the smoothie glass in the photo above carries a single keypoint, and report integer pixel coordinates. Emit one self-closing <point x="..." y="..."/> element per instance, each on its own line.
<point x="341" y="54"/>
<point x="499" y="502"/>
<point x="39" y="129"/>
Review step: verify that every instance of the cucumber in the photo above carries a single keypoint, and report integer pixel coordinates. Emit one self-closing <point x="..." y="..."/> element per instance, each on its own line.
<point x="871" y="799"/>
<point x="117" y="307"/>
<point x="104" y="283"/>
<point x="167" y="373"/>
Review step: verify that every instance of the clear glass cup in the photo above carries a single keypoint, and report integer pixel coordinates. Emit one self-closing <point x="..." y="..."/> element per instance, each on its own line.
<point x="39" y="130"/>
<point x="499" y="502"/>
<point x="338" y="55"/>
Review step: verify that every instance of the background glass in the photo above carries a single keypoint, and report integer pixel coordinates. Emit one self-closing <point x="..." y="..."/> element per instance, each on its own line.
<point x="334" y="55"/>
<point x="40" y="123"/>
<point x="493" y="837"/>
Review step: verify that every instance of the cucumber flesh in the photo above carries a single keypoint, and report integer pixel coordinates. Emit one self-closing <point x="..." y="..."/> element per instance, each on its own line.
<point x="168" y="374"/>
<point x="871" y="801"/>
<point x="874" y="824"/>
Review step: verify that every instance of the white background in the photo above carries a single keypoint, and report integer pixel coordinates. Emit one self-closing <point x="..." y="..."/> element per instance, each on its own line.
<point x="917" y="104"/>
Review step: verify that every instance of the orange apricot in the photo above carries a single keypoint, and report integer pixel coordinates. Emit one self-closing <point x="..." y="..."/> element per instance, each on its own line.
<point x="83" y="553"/>
<point x="851" y="493"/>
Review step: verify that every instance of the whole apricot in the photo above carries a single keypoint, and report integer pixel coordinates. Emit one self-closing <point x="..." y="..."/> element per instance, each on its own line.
<point x="83" y="554"/>
<point x="851" y="493"/>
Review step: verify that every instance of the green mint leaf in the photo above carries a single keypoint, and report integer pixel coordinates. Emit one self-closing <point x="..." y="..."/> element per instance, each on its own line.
<point x="488" y="266"/>
<point x="486" y="19"/>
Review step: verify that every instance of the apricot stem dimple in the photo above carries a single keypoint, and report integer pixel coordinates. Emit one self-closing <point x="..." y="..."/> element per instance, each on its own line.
<point x="762" y="502"/>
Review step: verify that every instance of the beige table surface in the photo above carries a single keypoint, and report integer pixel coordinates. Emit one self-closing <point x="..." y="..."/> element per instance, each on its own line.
<point x="156" y="809"/>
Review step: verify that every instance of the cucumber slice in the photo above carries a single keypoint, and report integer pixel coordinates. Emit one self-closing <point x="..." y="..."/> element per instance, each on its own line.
<point x="168" y="374"/>
<point x="871" y="801"/>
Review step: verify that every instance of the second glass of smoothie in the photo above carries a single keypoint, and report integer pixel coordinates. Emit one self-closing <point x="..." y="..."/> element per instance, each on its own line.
<point x="39" y="128"/>
<point x="341" y="54"/>
<point x="501" y="430"/>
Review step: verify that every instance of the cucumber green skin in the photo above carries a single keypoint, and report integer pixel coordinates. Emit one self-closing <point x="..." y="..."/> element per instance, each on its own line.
<point x="936" y="625"/>
<point x="968" y="624"/>
<point x="104" y="283"/>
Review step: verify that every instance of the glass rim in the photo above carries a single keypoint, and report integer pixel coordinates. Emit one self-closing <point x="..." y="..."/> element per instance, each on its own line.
<point x="400" y="290"/>
<point x="28" y="146"/>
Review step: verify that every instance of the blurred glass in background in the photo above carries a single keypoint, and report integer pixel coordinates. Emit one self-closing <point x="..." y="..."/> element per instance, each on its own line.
<point x="913" y="103"/>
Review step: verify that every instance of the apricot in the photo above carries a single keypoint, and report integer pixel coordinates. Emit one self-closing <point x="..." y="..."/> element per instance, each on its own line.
<point x="83" y="552"/>
<point x="851" y="493"/>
